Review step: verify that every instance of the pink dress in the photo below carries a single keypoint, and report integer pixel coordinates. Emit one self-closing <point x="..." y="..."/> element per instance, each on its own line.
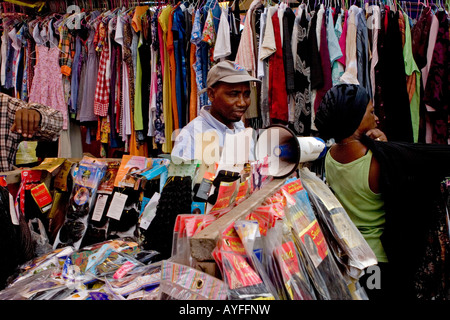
<point x="47" y="86"/>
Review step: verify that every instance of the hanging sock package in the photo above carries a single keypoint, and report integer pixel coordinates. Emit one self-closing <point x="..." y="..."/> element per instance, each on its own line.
<point x="291" y="270"/>
<point x="186" y="226"/>
<point x="248" y="232"/>
<point x="85" y="183"/>
<point x="243" y="280"/>
<point x="312" y="244"/>
<point x="348" y="245"/>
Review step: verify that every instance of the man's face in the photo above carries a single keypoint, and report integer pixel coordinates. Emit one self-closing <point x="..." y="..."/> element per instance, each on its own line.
<point x="229" y="101"/>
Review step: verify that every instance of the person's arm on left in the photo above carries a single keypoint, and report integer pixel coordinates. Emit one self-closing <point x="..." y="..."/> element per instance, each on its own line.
<point x="37" y="121"/>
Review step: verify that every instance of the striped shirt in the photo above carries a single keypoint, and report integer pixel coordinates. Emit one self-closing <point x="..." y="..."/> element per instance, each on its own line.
<point x="50" y="126"/>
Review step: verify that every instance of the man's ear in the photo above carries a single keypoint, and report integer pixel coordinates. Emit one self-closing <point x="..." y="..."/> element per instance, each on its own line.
<point x="211" y="93"/>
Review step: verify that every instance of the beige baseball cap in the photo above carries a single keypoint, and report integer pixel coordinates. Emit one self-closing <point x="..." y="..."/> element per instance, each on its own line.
<point x="229" y="72"/>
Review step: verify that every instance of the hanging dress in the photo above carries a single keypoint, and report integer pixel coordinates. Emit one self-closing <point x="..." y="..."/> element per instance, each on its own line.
<point x="47" y="87"/>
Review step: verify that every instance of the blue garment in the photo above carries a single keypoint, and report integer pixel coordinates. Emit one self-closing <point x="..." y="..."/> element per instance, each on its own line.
<point x="178" y="44"/>
<point x="185" y="142"/>
<point x="10" y="52"/>
<point x="196" y="38"/>
<point x="75" y="77"/>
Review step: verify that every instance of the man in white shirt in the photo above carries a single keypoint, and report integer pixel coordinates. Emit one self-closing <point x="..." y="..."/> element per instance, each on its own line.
<point x="228" y="87"/>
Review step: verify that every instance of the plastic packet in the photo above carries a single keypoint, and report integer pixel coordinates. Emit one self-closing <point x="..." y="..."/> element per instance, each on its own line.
<point x="138" y="279"/>
<point x="248" y="232"/>
<point x="180" y="282"/>
<point x="52" y="260"/>
<point x="32" y="285"/>
<point x="292" y="272"/>
<point x="186" y="226"/>
<point x="103" y="293"/>
<point x="107" y="262"/>
<point x="312" y="243"/>
<point x="127" y="224"/>
<point x="86" y="180"/>
<point x="80" y="258"/>
<point x="40" y="239"/>
<point x="242" y="279"/>
<point x="334" y="218"/>
<point x="152" y="294"/>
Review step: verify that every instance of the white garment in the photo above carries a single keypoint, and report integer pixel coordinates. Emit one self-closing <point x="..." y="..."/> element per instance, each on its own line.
<point x="126" y="104"/>
<point x="320" y="14"/>
<point x="3" y="53"/>
<point x="351" y="65"/>
<point x="262" y="26"/>
<point x="222" y="47"/>
<point x="282" y="7"/>
<point x="375" y="26"/>
<point x="119" y="30"/>
<point x="268" y="46"/>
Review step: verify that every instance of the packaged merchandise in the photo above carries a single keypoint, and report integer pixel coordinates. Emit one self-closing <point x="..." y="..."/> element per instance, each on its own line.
<point x="348" y="245"/>
<point x="312" y="244"/>
<point x="87" y="177"/>
<point x="180" y="282"/>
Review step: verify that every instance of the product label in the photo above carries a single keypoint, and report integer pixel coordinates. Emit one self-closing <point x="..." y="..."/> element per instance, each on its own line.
<point x="238" y="272"/>
<point x="117" y="204"/>
<point x="315" y="243"/>
<point x="99" y="207"/>
<point x="42" y="197"/>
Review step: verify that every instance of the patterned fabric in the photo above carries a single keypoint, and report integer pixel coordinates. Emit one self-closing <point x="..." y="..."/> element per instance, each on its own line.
<point x="437" y="87"/>
<point x="50" y="126"/>
<point x="47" y="87"/>
<point x="245" y="55"/>
<point x="159" y="116"/>
<point x="196" y="38"/>
<point x="65" y="45"/>
<point x="101" y="100"/>
<point x="302" y="118"/>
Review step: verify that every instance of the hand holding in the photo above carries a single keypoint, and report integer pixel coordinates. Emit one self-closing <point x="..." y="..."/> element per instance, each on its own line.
<point x="26" y="122"/>
<point x="377" y="135"/>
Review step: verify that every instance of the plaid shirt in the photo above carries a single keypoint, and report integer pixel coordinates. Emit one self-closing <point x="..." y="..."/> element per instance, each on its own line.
<point x="50" y="126"/>
<point x="65" y="45"/>
<point x="101" y="100"/>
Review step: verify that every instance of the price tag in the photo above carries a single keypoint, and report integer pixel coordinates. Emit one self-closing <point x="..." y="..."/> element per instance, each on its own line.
<point x="117" y="204"/>
<point x="99" y="207"/>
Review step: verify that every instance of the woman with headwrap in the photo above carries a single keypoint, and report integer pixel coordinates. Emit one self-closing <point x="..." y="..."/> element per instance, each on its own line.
<point x="390" y="190"/>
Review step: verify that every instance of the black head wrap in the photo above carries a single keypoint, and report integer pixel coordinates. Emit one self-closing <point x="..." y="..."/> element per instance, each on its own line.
<point x="341" y="111"/>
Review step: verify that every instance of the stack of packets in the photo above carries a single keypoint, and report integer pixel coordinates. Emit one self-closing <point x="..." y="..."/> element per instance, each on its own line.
<point x="113" y="270"/>
<point x="282" y="250"/>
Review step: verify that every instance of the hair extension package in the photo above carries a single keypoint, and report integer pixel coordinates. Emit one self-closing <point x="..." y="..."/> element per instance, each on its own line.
<point x="86" y="180"/>
<point x="326" y="276"/>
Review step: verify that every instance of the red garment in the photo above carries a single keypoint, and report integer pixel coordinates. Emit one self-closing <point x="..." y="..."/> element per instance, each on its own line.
<point x="278" y="102"/>
<point x="343" y="40"/>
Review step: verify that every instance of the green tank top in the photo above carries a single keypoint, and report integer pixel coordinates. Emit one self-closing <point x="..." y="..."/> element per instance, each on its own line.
<point x="350" y="183"/>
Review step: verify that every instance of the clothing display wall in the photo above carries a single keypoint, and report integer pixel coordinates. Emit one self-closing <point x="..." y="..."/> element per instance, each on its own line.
<point x="129" y="76"/>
